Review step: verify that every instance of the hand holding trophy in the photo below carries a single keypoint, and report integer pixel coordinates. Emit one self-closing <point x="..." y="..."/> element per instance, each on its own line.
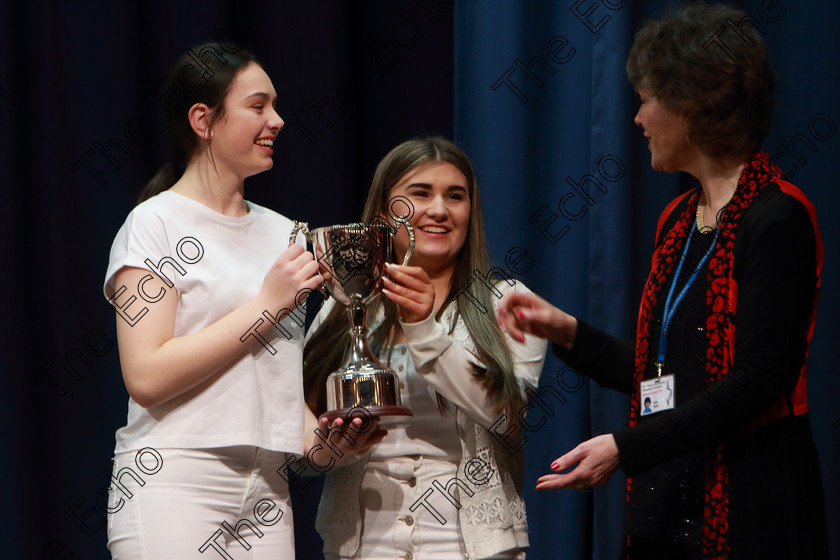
<point x="354" y="257"/>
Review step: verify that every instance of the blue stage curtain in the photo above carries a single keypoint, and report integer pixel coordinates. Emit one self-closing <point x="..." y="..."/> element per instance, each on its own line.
<point x="545" y="111"/>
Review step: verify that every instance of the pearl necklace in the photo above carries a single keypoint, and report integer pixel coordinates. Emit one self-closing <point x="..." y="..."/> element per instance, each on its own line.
<point x="701" y="205"/>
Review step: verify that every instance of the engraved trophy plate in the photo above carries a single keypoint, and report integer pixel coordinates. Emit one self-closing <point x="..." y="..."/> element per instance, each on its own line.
<point x="354" y="256"/>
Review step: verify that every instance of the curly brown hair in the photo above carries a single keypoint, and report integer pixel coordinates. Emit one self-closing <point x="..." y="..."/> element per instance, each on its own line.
<point x="708" y="63"/>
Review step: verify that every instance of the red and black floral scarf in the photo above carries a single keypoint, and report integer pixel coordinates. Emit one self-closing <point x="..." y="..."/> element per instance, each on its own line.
<point x="721" y="300"/>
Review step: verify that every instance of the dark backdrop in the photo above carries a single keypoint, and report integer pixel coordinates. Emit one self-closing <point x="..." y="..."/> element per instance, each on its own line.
<point x="354" y="79"/>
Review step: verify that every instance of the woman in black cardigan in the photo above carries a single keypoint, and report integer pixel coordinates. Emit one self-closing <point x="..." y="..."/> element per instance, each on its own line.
<point x="722" y="463"/>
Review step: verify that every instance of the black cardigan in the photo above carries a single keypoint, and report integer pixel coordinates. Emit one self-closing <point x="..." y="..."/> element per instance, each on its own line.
<point x="775" y="266"/>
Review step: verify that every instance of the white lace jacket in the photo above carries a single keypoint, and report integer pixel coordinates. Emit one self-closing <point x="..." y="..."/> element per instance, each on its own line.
<point x="493" y="518"/>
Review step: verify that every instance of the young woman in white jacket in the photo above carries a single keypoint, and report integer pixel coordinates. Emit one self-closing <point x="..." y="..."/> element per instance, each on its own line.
<point x="443" y="483"/>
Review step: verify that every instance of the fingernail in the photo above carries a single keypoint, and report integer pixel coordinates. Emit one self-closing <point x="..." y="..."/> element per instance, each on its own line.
<point x="521" y="338"/>
<point x="555" y="465"/>
<point x="518" y="313"/>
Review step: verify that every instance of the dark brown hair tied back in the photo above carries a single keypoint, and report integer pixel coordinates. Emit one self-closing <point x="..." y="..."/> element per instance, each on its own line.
<point x="203" y="74"/>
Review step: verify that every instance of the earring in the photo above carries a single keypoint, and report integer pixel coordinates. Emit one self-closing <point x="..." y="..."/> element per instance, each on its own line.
<point x="687" y="140"/>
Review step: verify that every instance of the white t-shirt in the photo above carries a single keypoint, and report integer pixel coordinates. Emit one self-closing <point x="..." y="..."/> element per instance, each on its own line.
<point x="216" y="264"/>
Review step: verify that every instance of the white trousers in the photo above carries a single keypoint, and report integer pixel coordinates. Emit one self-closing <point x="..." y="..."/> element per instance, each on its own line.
<point x="202" y="504"/>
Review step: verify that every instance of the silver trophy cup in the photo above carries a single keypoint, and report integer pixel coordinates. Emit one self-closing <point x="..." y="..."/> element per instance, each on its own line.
<point x="354" y="257"/>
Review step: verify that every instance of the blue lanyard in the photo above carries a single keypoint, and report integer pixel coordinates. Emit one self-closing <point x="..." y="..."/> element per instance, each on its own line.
<point x="669" y="310"/>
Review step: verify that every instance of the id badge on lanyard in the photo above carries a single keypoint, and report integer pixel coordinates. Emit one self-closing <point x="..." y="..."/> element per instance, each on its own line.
<point x="658" y="394"/>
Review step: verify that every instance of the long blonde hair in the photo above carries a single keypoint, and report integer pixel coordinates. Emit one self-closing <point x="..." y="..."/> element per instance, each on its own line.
<point x="324" y="352"/>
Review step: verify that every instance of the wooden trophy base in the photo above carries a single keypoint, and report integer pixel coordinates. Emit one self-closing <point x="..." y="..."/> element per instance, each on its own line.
<point x="365" y="412"/>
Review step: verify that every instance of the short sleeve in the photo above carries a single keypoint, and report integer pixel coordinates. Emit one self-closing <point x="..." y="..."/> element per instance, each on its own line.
<point x="141" y="242"/>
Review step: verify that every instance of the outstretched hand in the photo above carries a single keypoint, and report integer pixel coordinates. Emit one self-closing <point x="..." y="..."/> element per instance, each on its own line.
<point x="521" y="313"/>
<point x="597" y="460"/>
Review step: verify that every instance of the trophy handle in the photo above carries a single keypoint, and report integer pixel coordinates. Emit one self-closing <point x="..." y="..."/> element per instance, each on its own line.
<point x="410" y="229"/>
<point x="296" y="230"/>
<point x="299" y="227"/>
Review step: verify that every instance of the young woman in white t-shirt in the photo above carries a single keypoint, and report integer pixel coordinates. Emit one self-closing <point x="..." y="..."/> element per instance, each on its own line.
<point x="445" y="483"/>
<point x="208" y="298"/>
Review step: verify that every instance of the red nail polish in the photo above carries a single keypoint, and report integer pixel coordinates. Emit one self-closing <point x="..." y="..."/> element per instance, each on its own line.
<point x="519" y="313"/>
<point x="555" y="465"/>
